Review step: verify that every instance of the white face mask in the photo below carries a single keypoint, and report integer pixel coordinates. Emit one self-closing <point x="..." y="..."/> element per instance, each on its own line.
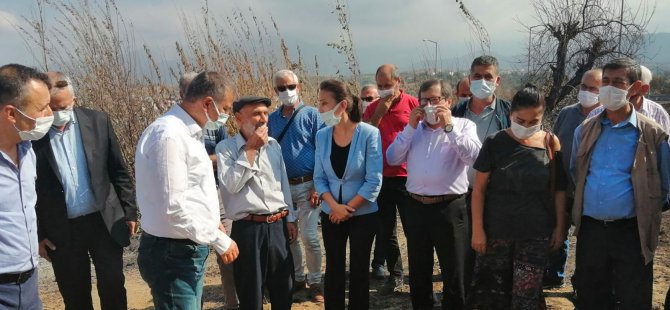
<point x="482" y="89"/>
<point x="329" y="117"/>
<point x="613" y="98"/>
<point x="524" y="132"/>
<point x="220" y="121"/>
<point x="383" y="93"/>
<point x="461" y="99"/>
<point x="365" y="104"/>
<point x="62" y="117"/>
<point x="42" y="125"/>
<point x="430" y="114"/>
<point x="587" y="99"/>
<point x="289" y="97"/>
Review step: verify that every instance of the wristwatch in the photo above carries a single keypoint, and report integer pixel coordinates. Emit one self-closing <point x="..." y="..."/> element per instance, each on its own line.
<point x="448" y="128"/>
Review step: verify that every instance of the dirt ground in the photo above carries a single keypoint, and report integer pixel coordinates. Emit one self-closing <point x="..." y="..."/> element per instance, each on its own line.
<point x="140" y="298"/>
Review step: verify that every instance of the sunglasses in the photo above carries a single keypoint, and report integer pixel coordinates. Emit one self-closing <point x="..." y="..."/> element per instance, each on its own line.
<point x="289" y="87"/>
<point x="369" y="98"/>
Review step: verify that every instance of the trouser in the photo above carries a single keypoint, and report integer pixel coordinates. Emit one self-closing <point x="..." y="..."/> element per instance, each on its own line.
<point x="227" y="274"/>
<point x="558" y="259"/>
<point x="72" y="265"/>
<point x="24" y="296"/>
<point x="609" y="257"/>
<point x="359" y="230"/>
<point x="174" y="269"/>
<point x="440" y="226"/>
<point x="392" y="197"/>
<point x="509" y="275"/>
<point x="264" y="261"/>
<point x="308" y="225"/>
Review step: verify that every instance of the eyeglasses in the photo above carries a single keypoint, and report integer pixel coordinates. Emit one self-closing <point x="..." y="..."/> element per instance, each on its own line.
<point x="432" y="100"/>
<point x="369" y="98"/>
<point x="289" y="87"/>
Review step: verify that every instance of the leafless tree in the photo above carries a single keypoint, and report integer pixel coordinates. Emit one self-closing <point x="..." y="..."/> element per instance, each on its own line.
<point x="574" y="36"/>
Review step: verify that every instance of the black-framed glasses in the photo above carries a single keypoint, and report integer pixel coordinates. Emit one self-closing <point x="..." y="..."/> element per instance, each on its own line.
<point x="432" y="100"/>
<point x="369" y="98"/>
<point x="289" y="87"/>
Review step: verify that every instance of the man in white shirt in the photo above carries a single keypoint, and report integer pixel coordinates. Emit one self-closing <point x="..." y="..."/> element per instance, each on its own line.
<point x="438" y="149"/>
<point x="177" y="197"/>
<point x="257" y="197"/>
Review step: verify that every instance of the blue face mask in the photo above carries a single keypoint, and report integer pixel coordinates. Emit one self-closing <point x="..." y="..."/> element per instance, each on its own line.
<point x="220" y="121"/>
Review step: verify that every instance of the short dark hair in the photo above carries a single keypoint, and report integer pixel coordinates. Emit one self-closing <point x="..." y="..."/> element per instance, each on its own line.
<point x="207" y="84"/>
<point x="445" y="88"/>
<point x="528" y="97"/>
<point x="484" y="60"/>
<point x="13" y="80"/>
<point x="341" y="92"/>
<point x="634" y="72"/>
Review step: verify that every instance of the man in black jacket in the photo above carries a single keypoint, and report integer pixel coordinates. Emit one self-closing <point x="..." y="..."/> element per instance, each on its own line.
<point x="85" y="201"/>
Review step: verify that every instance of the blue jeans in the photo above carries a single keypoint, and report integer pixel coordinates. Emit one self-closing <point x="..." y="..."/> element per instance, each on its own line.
<point x="24" y="296"/>
<point x="174" y="270"/>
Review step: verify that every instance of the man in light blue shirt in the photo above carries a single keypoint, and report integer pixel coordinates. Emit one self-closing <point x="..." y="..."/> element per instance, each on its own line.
<point x="294" y="126"/>
<point x="621" y="167"/>
<point x="24" y="102"/>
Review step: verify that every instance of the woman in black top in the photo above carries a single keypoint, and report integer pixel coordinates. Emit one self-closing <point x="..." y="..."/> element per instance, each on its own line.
<point x="518" y="210"/>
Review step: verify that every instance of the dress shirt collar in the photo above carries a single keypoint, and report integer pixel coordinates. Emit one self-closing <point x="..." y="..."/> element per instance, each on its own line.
<point x="632" y="119"/>
<point x="240" y="142"/>
<point x="281" y="109"/>
<point x="490" y="107"/>
<point x="193" y="128"/>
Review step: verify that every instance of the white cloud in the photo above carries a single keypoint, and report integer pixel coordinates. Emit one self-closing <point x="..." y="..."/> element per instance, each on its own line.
<point x="7" y="21"/>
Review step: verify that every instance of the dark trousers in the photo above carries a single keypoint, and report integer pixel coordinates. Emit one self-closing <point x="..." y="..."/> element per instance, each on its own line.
<point x="443" y="227"/>
<point x="265" y="261"/>
<point x="609" y="257"/>
<point x="174" y="270"/>
<point x="359" y="230"/>
<point x="392" y="197"/>
<point x="72" y="265"/>
<point x="24" y="296"/>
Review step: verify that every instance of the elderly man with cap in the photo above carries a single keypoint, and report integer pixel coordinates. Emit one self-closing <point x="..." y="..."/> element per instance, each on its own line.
<point x="257" y="197"/>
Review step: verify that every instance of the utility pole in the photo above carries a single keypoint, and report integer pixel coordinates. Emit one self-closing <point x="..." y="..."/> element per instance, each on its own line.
<point x="431" y="41"/>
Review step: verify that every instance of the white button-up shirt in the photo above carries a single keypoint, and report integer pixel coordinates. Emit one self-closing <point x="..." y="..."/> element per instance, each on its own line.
<point x="176" y="194"/>
<point x="437" y="162"/>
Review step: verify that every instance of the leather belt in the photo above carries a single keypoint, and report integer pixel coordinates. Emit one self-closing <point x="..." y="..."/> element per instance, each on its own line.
<point x="266" y="218"/>
<point x="17" y="278"/>
<point x="428" y="200"/>
<point x="300" y="180"/>
<point x="610" y="223"/>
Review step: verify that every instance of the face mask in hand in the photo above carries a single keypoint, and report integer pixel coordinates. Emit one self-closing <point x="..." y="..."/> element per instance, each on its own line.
<point x="430" y="115"/>
<point x="329" y="117"/>
<point x="482" y="88"/>
<point x="42" y="125"/>
<point x="522" y="132"/>
<point x="613" y="98"/>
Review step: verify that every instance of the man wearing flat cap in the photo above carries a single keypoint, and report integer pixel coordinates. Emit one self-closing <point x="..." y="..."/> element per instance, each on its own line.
<point x="257" y="197"/>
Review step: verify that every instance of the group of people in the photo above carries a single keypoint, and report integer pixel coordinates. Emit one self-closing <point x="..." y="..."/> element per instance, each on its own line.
<point x="473" y="178"/>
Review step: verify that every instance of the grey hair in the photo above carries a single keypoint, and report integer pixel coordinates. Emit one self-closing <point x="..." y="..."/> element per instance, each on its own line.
<point x="368" y="86"/>
<point x="645" y="75"/>
<point x="59" y="77"/>
<point x="629" y="64"/>
<point x="284" y="73"/>
<point x="484" y="60"/>
<point x="185" y="80"/>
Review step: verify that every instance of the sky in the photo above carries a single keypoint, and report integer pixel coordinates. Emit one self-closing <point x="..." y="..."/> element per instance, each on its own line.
<point x="384" y="31"/>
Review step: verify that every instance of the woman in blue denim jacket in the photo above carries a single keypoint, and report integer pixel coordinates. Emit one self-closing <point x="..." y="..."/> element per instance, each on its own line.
<point x="347" y="176"/>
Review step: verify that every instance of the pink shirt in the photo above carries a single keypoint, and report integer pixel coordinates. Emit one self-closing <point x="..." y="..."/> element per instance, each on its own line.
<point x="390" y="125"/>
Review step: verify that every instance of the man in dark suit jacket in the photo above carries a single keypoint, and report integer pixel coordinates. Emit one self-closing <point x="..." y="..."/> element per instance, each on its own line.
<point x="85" y="201"/>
